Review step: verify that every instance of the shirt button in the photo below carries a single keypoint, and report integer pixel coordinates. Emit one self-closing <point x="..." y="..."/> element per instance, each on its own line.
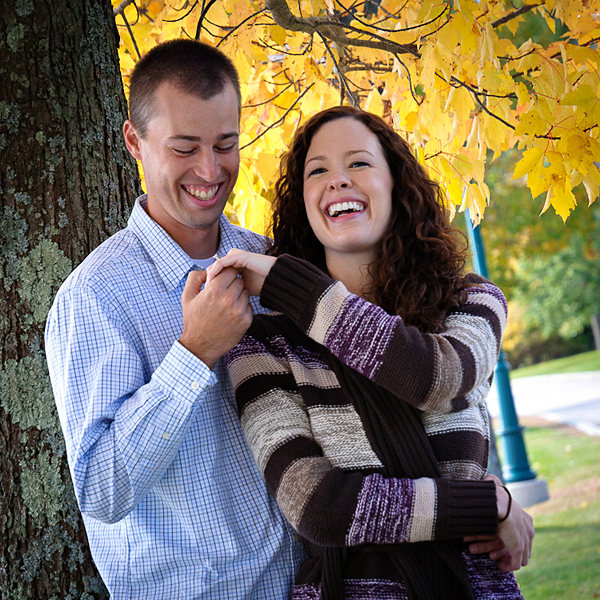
<point x="195" y="385"/>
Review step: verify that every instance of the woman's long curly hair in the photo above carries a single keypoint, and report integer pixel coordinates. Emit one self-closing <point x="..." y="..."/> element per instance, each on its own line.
<point x="419" y="269"/>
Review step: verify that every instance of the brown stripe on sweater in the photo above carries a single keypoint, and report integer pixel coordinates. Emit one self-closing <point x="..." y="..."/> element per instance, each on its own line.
<point x="257" y="386"/>
<point x="317" y="397"/>
<point x="460" y="446"/>
<point x="334" y="501"/>
<point x="282" y="457"/>
<point x="409" y="375"/>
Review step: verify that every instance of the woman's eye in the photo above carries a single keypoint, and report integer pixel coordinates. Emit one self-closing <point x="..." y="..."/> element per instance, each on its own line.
<point x="359" y="163"/>
<point x="316" y="171"/>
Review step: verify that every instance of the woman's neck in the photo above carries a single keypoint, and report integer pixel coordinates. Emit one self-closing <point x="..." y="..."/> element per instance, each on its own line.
<point x="352" y="270"/>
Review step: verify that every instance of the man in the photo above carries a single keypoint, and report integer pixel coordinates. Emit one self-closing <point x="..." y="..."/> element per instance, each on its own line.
<point x="173" y="504"/>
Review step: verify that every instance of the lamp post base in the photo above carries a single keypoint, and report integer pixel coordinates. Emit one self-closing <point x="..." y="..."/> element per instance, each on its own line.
<point x="529" y="492"/>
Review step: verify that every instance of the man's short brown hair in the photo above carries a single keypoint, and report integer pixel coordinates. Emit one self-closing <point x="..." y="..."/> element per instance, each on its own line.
<point x="193" y="67"/>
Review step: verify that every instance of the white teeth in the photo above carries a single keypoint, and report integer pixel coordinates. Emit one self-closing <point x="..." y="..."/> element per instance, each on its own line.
<point x="339" y="207"/>
<point x="203" y="194"/>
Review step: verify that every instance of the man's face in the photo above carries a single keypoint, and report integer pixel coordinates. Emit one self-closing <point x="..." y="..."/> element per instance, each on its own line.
<point x="190" y="156"/>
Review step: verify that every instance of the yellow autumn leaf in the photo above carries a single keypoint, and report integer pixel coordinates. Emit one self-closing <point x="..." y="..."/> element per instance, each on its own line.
<point x="522" y="93"/>
<point x="561" y="199"/>
<point x="591" y="182"/>
<point x="530" y="158"/>
<point x="531" y="123"/>
<point x="251" y="209"/>
<point x="374" y="102"/>
<point x="267" y="166"/>
<point x="277" y="34"/>
<point x="535" y="180"/>
<point x="582" y="96"/>
<point x="312" y="71"/>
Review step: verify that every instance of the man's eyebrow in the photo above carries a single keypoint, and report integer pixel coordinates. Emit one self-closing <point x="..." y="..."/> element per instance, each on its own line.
<point x="349" y="153"/>
<point x="195" y="138"/>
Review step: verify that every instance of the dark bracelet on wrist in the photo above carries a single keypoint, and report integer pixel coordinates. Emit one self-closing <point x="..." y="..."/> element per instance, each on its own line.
<point x="509" y="506"/>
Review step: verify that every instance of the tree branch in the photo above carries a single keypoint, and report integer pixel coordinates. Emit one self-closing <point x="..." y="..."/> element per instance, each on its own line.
<point x="205" y="9"/>
<point x="515" y="14"/>
<point x="119" y="10"/>
<point x="131" y="34"/>
<point x="280" y="120"/>
<point x="333" y="30"/>
<point x="233" y="29"/>
<point x="341" y="76"/>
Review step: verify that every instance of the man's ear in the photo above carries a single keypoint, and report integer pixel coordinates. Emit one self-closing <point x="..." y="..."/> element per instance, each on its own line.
<point x="132" y="140"/>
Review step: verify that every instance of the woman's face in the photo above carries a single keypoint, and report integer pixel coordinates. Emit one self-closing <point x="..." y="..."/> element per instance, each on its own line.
<point x="347" y="189"/>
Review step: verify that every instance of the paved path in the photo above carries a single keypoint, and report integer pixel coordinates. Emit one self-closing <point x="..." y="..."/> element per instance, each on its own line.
<point x="572" y="398"/>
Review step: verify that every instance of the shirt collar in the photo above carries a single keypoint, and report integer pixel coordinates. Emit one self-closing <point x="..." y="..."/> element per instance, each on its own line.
<point x="171" y="262"/>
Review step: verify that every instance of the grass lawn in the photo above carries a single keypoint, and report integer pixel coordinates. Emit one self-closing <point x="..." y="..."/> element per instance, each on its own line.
<point x="566" y="557"/>
<point x="587" y="361"/>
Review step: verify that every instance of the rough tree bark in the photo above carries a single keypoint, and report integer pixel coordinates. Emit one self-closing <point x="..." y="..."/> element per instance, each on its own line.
<point x="66" y="183"/>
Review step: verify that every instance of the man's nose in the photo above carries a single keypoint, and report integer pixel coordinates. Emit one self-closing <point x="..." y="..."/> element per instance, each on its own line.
<point x="206" y="166"/>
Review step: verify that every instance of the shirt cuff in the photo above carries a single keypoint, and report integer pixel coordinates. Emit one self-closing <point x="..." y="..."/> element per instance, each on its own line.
<point x="183" y="375"/>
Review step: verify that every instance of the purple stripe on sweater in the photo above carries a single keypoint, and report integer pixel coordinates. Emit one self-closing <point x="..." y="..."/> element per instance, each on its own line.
<point x="278" y="347"/>
<point x="383" y="512"/>
<point x="357" y="589"/>
<point x="492" y="290"/>
<point x="488" y="581"/>
<point x="360" y="334"/>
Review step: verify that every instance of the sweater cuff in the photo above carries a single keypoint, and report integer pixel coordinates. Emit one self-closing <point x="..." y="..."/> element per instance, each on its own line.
<point x="293" y="287"/>
<point x="466" y="508"/>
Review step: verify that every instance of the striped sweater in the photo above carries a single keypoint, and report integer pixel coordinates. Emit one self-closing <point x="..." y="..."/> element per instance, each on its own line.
<point x="312" y="448"/>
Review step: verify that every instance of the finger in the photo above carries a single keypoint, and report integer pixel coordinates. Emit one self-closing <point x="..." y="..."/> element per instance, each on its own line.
<point x="486" y="546"/>
<point x="498" y="554"/>
<point x="193" y="285"/>
<point x="229" y="260"/>
<point x="477" y="538"/>
<point x="225" y="278"/>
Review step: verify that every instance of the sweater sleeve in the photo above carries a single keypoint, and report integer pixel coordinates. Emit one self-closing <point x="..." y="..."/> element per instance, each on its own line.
<point x="323" y="502"/>
<point x="434" y="372"/>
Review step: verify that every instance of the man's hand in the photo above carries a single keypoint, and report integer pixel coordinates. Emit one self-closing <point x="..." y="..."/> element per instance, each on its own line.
<point x="215" y="318"/>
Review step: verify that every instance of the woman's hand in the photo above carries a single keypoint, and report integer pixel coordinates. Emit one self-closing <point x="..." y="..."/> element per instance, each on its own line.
<point x="253" y="268"/>
<point x="512" y="545"/>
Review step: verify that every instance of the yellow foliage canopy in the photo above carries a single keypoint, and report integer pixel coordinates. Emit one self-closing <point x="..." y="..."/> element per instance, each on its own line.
<point x="446" y="75"/>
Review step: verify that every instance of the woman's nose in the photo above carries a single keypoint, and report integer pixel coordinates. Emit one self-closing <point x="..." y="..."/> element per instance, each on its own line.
<point x="339" y="181"/>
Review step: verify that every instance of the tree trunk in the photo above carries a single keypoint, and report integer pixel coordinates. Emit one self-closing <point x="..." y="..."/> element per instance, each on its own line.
<point x="66" y="183"/>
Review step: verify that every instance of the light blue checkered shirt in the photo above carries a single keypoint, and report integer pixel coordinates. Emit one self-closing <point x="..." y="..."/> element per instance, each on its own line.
<point x="172" y="501"/>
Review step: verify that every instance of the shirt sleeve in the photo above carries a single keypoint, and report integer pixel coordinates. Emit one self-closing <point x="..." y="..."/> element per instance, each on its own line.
<point x="324" y="503"/>
<point x="122" y="425"/>
<point x="434" y="372"/>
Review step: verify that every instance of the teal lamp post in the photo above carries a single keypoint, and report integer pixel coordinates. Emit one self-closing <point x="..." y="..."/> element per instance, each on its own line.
<point x="516" y="471"/>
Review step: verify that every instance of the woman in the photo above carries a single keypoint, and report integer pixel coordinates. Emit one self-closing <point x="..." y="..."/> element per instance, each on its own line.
<point x="362" y="397"/>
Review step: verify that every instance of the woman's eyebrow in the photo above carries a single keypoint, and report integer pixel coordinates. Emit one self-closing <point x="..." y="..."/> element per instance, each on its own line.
<point x="349" y="153"/>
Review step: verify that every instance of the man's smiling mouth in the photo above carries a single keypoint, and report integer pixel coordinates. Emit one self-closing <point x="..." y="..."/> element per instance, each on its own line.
<point x="200" y="192"/>
<point x="342" y="208"/>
